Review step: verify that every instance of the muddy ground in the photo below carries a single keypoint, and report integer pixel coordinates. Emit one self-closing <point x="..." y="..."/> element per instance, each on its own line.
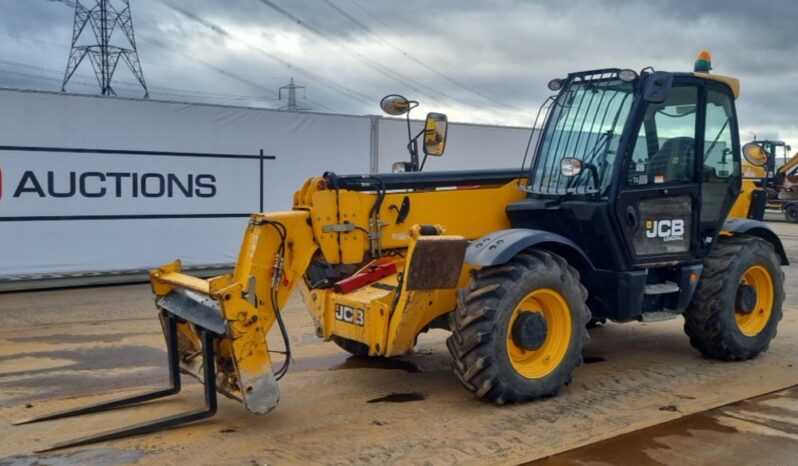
<point x="643" y="396"/>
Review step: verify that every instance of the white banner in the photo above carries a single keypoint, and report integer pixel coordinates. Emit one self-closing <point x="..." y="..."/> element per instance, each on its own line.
<point x="93" y="184"/>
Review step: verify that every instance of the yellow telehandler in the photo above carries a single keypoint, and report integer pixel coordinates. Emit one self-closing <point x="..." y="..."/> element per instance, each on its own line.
<point x="627" y="208"/>
<point x="776" y="176"/>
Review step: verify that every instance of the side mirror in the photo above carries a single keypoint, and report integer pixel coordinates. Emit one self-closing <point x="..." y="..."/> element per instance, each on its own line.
<point x="570" y="166"/>
<point x="755" y="154"/>
<point x="395" y="104"/>
<point x="435" y="130"/>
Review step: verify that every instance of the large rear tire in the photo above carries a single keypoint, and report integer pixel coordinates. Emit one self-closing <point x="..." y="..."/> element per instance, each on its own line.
<point x="737" y="305"/>
<point x="791" y="213"/>
<point x="519" y="328"/>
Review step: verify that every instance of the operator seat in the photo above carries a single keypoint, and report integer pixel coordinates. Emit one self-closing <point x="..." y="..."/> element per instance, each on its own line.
<point x="674" y="160"/>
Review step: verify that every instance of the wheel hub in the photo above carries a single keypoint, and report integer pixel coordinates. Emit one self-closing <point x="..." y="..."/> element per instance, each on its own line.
<point x="529" y="330"/>
<point x="745" y="301"/>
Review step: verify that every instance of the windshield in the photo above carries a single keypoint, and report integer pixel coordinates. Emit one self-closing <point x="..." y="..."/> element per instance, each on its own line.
<point x="585" y="121"/>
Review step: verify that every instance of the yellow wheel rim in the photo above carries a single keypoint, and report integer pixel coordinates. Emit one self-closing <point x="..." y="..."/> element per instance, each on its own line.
<point x="534" y="364"/>
<point x="754" y="322"/>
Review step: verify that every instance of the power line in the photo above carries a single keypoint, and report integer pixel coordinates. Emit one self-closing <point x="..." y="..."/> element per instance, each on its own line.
<point x="160" y="90"/>
<point x="349" y="93"/>
<point x="431" y="68"/>
<point x="207" y="65"/>
<point x="438" y="59"/>
<point x="19" y="36"/>
<point x="143" y="62"/>
<point x="385" y="71"/>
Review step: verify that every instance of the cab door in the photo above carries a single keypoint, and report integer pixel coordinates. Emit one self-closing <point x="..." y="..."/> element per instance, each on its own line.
<point x="659" y="199"/>
<point x="721" y="174"/>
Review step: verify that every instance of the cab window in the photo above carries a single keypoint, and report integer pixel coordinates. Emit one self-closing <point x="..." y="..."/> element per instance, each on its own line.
<point x="665" y="148"/>
<point x="720" y="166"/>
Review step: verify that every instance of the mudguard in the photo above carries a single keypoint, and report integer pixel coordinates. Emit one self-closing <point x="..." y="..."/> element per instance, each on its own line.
<point x="749" y="226"/>
<point x="499" y="247"/>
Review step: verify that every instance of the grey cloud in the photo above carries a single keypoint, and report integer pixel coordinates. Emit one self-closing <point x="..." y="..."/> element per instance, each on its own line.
<point x="496" y="56"/>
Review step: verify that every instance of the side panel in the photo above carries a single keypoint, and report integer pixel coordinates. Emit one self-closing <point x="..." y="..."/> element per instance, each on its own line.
<point x="470" y="212"/>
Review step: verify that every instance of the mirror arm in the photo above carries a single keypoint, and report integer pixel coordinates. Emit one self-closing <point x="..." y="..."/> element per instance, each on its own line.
<point x="412" y="147"/>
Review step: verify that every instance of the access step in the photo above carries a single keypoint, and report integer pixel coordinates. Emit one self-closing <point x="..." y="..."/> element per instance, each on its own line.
<point x="661" y="288"/>
<point x="658" y="316"/>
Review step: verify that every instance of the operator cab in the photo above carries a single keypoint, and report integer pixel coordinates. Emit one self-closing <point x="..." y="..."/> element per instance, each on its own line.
<point x="643" y="169"/>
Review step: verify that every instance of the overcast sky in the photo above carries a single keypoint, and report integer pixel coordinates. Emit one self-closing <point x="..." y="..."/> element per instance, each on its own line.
<point x="478" y="61"/>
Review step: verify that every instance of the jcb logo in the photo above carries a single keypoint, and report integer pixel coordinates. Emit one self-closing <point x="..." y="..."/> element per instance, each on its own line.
<point x="350" y="314"/>
<point x="668" y="230"/>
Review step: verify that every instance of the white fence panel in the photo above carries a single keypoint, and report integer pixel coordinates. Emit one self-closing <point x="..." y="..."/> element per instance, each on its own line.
<point x="468" y="146"/>
<point x="94" y="184"/>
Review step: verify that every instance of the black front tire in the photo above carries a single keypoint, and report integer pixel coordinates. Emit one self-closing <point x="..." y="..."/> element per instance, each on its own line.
<point x="710" y="319"/>
<point x="481" y="325"/>
<point x="791" y="213"/>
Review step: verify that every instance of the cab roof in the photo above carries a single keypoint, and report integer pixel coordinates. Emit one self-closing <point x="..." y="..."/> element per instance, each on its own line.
<point x="733" y="83"/>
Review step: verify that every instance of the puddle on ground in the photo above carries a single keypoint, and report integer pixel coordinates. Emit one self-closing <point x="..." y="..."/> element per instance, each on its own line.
<point x="399" y="398"/>
<point x="632" y="449"/>
<point x="336" y="362"/>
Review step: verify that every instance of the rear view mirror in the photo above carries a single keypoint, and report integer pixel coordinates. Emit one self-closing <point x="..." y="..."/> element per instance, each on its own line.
<point x="435" y="130"/>
<point x="755" y="154"/>
<point x="395" y="104"/>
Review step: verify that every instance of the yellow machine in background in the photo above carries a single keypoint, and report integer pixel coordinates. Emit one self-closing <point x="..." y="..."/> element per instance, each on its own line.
<point x="775" y="177"/>
<point x="515" y="263"/>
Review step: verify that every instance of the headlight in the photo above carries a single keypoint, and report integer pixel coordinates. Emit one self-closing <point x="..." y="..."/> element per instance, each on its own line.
<point x="555" y="85"/>
<point x="570" y="166"/>
<point x="627" y="76"/>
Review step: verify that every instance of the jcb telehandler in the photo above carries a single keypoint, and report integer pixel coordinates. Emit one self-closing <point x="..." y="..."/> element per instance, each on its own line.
<point x="776" y="176"/>
<point x="626" y="209"/>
